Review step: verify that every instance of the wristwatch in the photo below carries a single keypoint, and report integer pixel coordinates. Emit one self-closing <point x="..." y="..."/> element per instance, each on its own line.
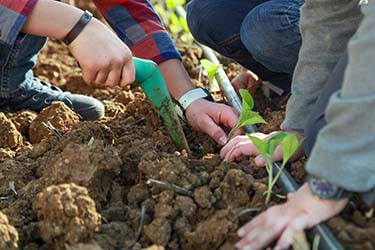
<point x="78" y="27"/>
<point x="325" y="190"/>
<point x="191" y="96"/>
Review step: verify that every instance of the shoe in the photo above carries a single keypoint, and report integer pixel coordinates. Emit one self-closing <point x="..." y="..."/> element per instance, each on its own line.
<point x="38" y="94"/>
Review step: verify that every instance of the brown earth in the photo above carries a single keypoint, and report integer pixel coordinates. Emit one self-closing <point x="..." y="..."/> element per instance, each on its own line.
<point x="111" y="161"/>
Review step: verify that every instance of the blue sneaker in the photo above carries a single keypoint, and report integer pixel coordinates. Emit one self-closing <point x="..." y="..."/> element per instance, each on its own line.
<point x="37" y="95"/>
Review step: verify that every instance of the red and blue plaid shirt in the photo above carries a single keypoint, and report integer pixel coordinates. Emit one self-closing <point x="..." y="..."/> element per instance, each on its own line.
<point x="134" y="21"/>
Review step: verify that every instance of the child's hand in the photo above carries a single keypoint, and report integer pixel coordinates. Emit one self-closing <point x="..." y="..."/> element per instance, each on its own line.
<point x="246" y="80"/>
<point x="241" y="146"/>
<point x="103" y="57"/>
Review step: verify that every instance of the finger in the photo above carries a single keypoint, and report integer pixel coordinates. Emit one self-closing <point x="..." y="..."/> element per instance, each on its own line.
<point x="128" y="74"/>
<point x="287" y="237"/>
<point x="89" y="75"/>
<point x="113" y="78"/>
<point x="233" y="143"/>
<point x="241" y="149"/>
<point x="226" y="116"/>
<point x="102" y="76"/>
<point x="215" y="132"/>
<point x="264" y="229"/>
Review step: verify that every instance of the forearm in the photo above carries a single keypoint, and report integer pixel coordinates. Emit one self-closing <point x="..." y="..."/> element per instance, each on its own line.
<point x="326" y="27"/>
<point x="51" y="19"/>
<point x="176" y="78"/>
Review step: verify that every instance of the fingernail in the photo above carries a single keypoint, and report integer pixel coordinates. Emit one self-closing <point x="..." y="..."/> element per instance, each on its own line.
<point x="259" y="160"/>
<point x="247" y="247"/>
<point x="223" y="140"/>
<point x="241" y="232"/>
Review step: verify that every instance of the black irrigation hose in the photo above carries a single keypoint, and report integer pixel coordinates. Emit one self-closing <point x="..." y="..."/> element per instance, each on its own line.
<point x="285" y="181"/>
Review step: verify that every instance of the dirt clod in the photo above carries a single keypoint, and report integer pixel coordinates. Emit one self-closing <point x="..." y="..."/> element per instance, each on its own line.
<point x="159" y="231"/>
<point x="67" y="215"/>
<point x="58" y="115"/>
<point x="12" y="138"/>
<point x="8" y="234"/>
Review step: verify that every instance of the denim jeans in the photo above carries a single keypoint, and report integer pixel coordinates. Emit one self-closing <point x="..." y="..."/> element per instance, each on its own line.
<point x="16" y="64"/>
<point x="261" y="35"/>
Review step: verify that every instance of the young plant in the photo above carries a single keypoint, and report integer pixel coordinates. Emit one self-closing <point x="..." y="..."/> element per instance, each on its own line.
<point x="177" y="25"/>
<point x="211" y="70"/>
<point x="289" y="144"/>
<point x="173" y="4"/>
<point x="247" y="116"/>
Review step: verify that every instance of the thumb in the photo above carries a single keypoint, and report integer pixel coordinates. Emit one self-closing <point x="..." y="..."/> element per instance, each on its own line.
<point x="214" y="131"/>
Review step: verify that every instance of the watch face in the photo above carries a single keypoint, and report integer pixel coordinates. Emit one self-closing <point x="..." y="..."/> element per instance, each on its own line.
<point x="322" y="188"/>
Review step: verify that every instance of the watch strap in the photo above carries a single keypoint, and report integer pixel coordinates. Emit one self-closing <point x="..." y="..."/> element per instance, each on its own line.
<point x="78" y="27"/>
<point x="326" y="190"/>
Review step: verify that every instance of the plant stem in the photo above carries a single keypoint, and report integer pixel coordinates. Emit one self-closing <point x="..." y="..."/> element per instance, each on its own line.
<point x="232" y="131"/>
<point x="269" y="186"/>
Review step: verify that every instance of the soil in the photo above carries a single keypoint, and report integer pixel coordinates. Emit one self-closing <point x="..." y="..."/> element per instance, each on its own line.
<point x="86" y="188"/>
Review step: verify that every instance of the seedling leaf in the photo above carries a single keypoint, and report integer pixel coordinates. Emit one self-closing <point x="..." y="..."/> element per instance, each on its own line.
<point x="175" y="25"/>
<point x="210" y="68"/>
<point x="173" y="4"/>
<point x="289" y="145"/>
<point x="260" y="144"/>
<point x="247" y="100"/>
<point x="250" y="118"/>
<point x="274" y="141"/>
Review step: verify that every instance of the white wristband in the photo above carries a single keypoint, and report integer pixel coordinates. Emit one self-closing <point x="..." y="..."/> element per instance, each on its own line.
<point x="191" y="96"/>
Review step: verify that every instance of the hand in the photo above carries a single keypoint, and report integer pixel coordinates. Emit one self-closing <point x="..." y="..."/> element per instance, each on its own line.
<point x="302" y="211"/>
<point x="241" y="146"/>
<point x="103" y="57"/>
<point x="207" y="117"/>
<point x="246" y="80"/>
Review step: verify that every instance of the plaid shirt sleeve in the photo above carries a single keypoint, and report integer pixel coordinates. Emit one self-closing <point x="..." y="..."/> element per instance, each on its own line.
<point x="138" y="25"/>
<point x="13" y="15"/>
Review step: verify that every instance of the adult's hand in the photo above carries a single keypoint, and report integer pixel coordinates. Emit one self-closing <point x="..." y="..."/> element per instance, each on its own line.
<point x="103" y="57"/>
<point x="302" y="211"/>
<point x="208" y="117"/>
<point x="241" y="146"/>
<point x="246" y="80"/>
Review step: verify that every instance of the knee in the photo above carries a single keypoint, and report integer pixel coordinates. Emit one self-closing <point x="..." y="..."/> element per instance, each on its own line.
<point x="201" y="18"/>
<point x="272" y="37"/>
<point x="194" y="17"/>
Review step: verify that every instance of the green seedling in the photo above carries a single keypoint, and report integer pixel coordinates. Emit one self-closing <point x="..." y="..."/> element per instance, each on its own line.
<point x="289" y="144"/>
<point x="247" y="116"/>
<point x="177" y="25"/>
<point x="173" y="4"/>
<point x="211" y="70"/>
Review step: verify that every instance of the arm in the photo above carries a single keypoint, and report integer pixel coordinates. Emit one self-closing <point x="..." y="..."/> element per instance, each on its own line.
<point x="350" y="115"/>
<point x="111" y="63"/>
<point x="138" y="25"/>
<point x="343" y="153"/>
<point x="326" y="26"/>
